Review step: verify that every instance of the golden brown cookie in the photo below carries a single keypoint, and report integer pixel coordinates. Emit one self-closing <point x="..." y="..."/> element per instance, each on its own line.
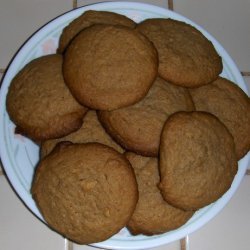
<point x="108" y="67"/>
<point x="40" y="104"/>
<point x="231" y="105"/>
<point x="197" y="160"/>
<point x="153" y="215"/>
<point x="186" y="56"/>
<point x="91" y="131"/>
<point x="87" y="19"/>
<point x="86" y="192"/>
<point x="138" y="127"/>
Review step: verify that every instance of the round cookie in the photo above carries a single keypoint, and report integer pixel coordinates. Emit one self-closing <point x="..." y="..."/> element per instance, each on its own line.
<point x="108" y="67"/>
<point x="39" y="102"/>
<point x="90" y="131"/>
<point x="87" y="19"/>
<point x="138" y="127"/>
<point x="197" y="160"/>
<point x="153" y="215"/>
<point x="231" y="105"/>
<point x="186" y="56"/>
<point x="86" y="192"/>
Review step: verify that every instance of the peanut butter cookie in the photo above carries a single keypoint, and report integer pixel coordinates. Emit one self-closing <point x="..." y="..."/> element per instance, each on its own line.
<point x="186" y="56"/>
<point x="91" y="131"/>
<point x="87" y="19"/>
<point x="231" y="105"/>
<point x="197" y="160"/>
<point x="138" y="127"/>
<point x="86" y="192"/>
<point x="108" y="67"/>
<point x="153" y="215"/>
<point x="39" y="102"/>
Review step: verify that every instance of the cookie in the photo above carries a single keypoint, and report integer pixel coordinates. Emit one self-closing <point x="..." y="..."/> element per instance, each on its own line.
<point x="186" y="56"/>
<point x="138" y="127"/>
<point x="108" y="67"/>
<point x="231" y="105"/>
<point x="197" y="160"/>
<point x="153" y="215"/>
<point x="86" y="192"/>
<point x="40" y="104"/>
<point x="87" y="19"/>
<point x="91" y="131"/>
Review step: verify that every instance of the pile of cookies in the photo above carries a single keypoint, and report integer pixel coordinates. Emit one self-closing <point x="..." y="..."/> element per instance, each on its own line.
<point x="135" y="125"/>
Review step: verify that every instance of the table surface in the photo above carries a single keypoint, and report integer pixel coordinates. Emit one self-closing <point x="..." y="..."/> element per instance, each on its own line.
<point x="228" y="21"/>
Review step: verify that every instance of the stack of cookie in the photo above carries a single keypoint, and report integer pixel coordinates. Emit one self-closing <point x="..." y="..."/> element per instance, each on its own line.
<point x="136" y="126"/>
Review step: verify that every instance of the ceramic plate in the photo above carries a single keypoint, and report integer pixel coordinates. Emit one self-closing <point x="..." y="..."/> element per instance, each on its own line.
<point x="20" y="156"/>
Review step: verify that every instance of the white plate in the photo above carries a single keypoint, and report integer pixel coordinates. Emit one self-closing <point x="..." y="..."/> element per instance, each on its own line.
<point x="19" y="155"/>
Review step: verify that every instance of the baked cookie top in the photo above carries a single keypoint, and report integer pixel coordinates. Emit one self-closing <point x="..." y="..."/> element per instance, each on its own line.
<point x="186" y="56"/>
<point x="39" y="102"/>
<point x="138" y="127"/>
<point x="86" y="192"/>
<point x="197" y="160"/>
<point x="231" y="105"/>
<point x="90" y="131"/>
<point x="108" y="67"/>
<point x="87" y="19"/>
<point x="153" y="215"/>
